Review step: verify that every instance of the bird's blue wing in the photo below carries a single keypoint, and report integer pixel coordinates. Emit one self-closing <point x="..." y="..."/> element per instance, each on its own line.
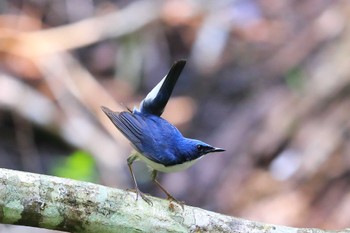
<point x="132" y="126"/>
<point x="126" y="123"/>
<point x="156" y="100"/>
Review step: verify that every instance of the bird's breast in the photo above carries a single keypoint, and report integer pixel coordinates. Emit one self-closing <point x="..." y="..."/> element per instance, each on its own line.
<point x="167" y="169"/>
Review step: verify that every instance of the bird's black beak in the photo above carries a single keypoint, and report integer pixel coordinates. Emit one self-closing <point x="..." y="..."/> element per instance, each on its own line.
<point x="215" y="149"/>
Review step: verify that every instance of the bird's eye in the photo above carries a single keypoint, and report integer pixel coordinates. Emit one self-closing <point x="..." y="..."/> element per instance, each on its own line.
<point x="199" y="147"/>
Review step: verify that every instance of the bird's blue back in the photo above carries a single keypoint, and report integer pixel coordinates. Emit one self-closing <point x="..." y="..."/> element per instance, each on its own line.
<point x="155" y="138"/>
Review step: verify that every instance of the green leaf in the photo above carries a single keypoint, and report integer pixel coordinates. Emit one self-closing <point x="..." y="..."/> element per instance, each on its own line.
<point x="295" y="79"/>
<point x="79" y="165"/>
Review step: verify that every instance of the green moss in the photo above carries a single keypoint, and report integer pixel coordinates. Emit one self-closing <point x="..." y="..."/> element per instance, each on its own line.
<point x="50" y="217"/>
<point x="12" y="212"/>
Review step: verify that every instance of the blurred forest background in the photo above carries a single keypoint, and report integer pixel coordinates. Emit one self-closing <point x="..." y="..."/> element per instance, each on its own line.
<point x="268" y="80"/>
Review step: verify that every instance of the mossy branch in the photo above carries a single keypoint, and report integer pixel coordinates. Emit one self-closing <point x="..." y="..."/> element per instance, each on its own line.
<point x="67" y="205"/>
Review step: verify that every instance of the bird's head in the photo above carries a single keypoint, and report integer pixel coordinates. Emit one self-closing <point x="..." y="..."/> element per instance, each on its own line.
<point x="194" y="149"/>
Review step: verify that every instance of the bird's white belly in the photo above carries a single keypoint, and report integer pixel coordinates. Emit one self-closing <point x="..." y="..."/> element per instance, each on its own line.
<point x="162" y="168"/>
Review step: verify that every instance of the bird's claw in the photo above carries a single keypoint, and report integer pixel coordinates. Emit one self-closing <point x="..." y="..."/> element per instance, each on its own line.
<point x="173" y="199"/>
<point x="142" y="195"/>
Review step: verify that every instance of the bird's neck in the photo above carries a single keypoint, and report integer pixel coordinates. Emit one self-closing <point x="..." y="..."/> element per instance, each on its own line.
<point x="186" y="149"/>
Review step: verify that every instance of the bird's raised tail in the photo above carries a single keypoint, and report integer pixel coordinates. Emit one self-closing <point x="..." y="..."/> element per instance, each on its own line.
<point x="156" y="100"/>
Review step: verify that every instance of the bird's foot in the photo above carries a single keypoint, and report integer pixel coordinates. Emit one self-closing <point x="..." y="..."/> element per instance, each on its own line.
<point x="173" y="199"/>
<point x="142" y="195"/>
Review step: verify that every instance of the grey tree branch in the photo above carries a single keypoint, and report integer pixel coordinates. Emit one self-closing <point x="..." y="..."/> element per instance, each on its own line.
<point x="63" y="204"/>
<point x="81" y="33"/>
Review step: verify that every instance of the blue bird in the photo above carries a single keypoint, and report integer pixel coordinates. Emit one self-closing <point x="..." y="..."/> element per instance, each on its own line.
<point x="157" y="142"/>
